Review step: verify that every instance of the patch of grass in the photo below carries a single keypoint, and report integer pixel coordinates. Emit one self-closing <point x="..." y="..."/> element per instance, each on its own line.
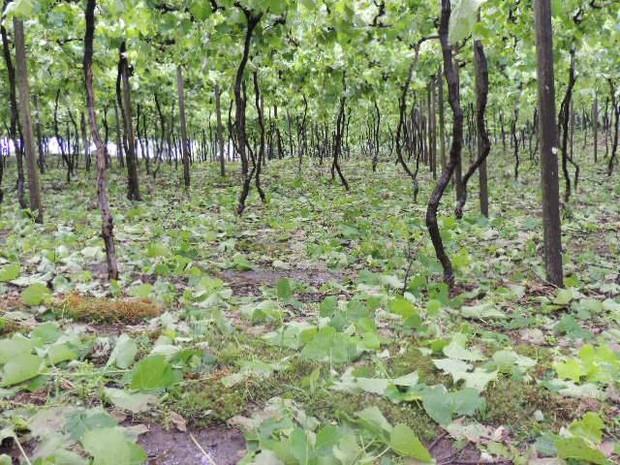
<point x="94" y="310"/>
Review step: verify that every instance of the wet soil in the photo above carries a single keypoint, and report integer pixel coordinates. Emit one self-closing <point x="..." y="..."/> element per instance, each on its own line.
<point x="9" y="448"/>
<point x="222" y="446"/>
<point x="445" y="452"/>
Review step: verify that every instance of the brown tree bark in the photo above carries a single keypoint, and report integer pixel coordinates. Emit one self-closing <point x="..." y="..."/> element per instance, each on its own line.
<point x="615" y="113"/>
<point x="107" y="221"/>
<point x="595" y="127"/>
<point x="548" y="144"/>
<point x="565" y="121"/>
<point x="162" y="137"/>
<point x="451" y="75"/>
<point x="442" y="119"/>
<point x="119" y="137"/>
<point x="74" y="152"/>
<point x="25" y="114"/>
<point x="374" y="132"/>
<point x="261" y="127"/>
<point x="220" y="129"/>
<point x="338" y="142"/>
<point x="403" y="135"/>
<point x="184" y="142"/>
<point x="2" y="161"/>
<point x="515" y="141"/>
<point x="484" y="144"/>
<point x="252" y="20"/>
<point x="87" y="158"/>
<point x="290" y="133"/>
<point x="41" y="152"/>
<point x="106" y="137"/>
<point x="143" y="137"/>
<point x="303" y="148"/>
<point x="432" y="121"/>
<point x="133" y="183"/>
<point x="62" y="144"/>
<point x="14" y="125"/>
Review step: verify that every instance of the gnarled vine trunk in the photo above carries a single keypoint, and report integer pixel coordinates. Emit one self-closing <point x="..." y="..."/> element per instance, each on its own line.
<point x="184" y="142"/>
<point x="220" y="129"/>
<point x="484" y="144"/>
<point x="261" y="127"/>
<point x="107" y="222"/>
<point x="124" y="96"/>
<point x="240" y="103"/>
<point x="451" y="75"/>
<point x="615" y="111"/>
<point x="564" y="117"/>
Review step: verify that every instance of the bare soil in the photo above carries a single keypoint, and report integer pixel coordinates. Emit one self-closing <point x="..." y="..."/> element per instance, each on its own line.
<point x="445" y="452"/>
<point x="223" y="446"/>
<point x="9" y="448"/>
<point x="246" y="283"/>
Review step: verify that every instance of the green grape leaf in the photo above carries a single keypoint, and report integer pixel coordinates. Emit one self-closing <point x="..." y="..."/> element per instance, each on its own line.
<point x="143" y="291"/>
<point x="22" y="9"/>
<point x="579" y="449"/>
<point x="9" y="272"/>
<point x="201" y="9"/>
<point x="437" y="405"/>
<point x="153" y="373"/>
<point x="124" y="352"/>
<point x="133" y="402"/>
<point x="20" y="369"/>
<point x="373" y="420"/>
<point x="79" y="422"/>
<point x="100" y="442"/>
<point x="283" y="289"/>
<point x="570" y="369"/>
<point x="589" y="427"/>
<point x="11" y="348"/>
<point x="61" y="353"/>
<point x="463" y="19"/>
<point x="35" y="294"/>
<point x="47" y="333"/>
<point x="405" y="442"/>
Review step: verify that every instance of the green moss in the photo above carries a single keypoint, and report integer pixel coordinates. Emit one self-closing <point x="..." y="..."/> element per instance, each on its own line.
<point x="411" y="414"/>
<point x="210" y="402"/>
<point x="8" y="327"/>
<point x="330" y="405"/>
<point x="513" y="403"/>
<point x="110" y="311"/>
<point x="206" y="404"/>
<point x="229" y="353"/>
<point x="411" y="360"/>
